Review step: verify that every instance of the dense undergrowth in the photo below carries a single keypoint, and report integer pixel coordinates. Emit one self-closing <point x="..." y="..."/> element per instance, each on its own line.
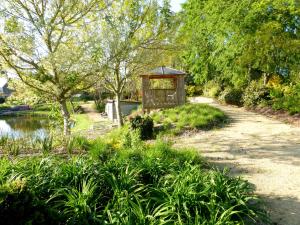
<point x="115" y="184"/>
<point x="276" y="95"/>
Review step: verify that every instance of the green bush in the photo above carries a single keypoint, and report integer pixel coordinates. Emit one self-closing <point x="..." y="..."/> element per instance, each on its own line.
<point x="144" y="125"/>
<point x="212" y="89"/>
<point x="193" y="90"/>
<point x="255" y="94"/>
<point x="286" y="98"/>
<point x="232" y="96"/>
<point x="2" y="100"/>
<point x="18" y="205"/>
<point x="100" y="106"/>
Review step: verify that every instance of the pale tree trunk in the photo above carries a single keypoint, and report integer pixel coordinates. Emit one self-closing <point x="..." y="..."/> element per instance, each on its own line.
<point x="66" y="117"/>
<point x="118" y="110"/>
<point x="266" y="79"/>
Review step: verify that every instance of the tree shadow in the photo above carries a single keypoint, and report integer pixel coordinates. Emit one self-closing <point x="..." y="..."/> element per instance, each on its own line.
<point x="282" y="210"/>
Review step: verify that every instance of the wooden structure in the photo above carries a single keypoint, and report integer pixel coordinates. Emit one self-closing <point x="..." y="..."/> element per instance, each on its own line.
<point x="163" y="87"/>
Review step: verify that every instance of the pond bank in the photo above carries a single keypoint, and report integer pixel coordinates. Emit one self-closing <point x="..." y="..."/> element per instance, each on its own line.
<point x="14" y="109"/>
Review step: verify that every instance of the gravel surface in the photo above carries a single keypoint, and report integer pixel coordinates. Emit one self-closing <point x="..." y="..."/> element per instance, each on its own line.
<point x="264" y="151"/>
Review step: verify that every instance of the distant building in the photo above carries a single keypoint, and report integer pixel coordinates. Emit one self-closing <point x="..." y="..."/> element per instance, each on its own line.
<point x="4" y="90"/>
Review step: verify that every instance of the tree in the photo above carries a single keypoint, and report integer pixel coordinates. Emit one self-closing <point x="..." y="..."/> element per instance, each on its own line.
<point x="229" y="39"/>
<point x="44" y="43"/>
<point x="133" y="35"/>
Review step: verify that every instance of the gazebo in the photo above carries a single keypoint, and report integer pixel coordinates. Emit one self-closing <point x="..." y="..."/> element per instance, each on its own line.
<point x="162" y="87"/>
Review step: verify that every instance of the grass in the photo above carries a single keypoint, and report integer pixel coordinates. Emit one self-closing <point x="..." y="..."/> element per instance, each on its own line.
<point x="152" y="184"/>
<point x="190" y="116"/>
<point x="82" y="122"/>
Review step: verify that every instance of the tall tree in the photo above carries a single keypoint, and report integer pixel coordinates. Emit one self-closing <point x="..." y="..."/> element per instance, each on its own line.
<point x="228" y="39"/>
<point x="44" y="42"/>
<point x="133" y="34"/>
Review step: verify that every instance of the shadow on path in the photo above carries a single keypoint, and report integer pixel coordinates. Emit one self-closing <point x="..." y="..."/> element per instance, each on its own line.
<point x="264" y="151"/>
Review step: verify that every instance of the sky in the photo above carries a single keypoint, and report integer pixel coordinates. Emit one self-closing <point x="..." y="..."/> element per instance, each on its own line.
<point x="176" y="5"/>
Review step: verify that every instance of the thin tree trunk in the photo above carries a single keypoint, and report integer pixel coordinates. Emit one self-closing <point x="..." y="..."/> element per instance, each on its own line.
<point x="66" y="117"/>
<point x="118" y="110"/>
<point x="266" y="78"/>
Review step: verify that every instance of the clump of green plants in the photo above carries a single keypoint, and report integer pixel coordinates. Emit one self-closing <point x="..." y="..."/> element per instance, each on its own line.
<point x="153" y="185"/>
<point x="212" y="88"/>
<point x="286" y="98"/>
<point x="144" y="125"/>
<point x="255" y="94"/>
<point x="46" y="144"/>
<point x="190" y="116"/>
<point x="193" y="90"/>
<point x="232" y="96"/>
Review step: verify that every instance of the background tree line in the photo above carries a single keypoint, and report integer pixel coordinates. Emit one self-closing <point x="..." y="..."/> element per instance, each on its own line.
<point x="244" y="51"/>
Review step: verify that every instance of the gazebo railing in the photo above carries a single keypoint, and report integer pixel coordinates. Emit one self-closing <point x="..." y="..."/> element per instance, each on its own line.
<point x="160" y="98"/>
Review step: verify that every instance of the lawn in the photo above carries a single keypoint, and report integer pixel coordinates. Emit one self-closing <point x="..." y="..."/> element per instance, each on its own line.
<point x="81" y="122"/>
<point x="190" y="116"/>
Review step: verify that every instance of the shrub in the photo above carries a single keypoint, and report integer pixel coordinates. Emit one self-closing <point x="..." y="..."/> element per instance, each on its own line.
<point x="255" y="93"/>
<point x="2" y="100"/>
<point x="193" y="90"/>
<point x="144" y="124"/>
<point x="100" y="106"/>
<point x="212" y="89"/>
<point x="18" y="205"/>
<point x="286" y="98"/>
<point x="232" y="96"/>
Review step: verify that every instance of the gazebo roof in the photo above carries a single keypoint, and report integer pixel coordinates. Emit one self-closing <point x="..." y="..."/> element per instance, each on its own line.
<point x="164" y="71"/>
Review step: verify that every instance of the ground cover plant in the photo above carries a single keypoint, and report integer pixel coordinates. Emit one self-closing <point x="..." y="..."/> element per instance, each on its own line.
<point x="190" y="116"/>
<point x="145" y="184"/>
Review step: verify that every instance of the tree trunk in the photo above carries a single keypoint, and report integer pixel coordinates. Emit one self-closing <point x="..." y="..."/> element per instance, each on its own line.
<point x="118" y="110"/>
<point x="66" y="117"/>
<point x="266" y="79"/>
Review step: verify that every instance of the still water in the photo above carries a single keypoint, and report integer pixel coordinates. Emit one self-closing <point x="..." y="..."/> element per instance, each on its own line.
<point x="24" y="126"/>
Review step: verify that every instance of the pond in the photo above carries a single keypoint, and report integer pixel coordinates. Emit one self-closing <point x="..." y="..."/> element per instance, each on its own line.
<point x="24" y="126"/>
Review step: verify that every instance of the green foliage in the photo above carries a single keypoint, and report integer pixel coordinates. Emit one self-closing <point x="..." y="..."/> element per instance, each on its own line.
<point x="286" y="98"/>
<point x="255" y="93"/>
<point x="190" y="116"/>
<point x="100" y="106"/>
<point x="144" y="125"/>
<point x="18" y="205"/>
<point x="232" y="96"/>
<point x="212" y="89"/>
<point x="46" y="144"/>
<point x="235" y="38"/>
<point x="238" y="42"/>
<point x="156" y="185"/>
<point x="193" y="90"/>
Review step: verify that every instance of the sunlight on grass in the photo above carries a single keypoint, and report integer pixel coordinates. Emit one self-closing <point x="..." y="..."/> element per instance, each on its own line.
<point x="82" y="122"/>
<point x="190" y="116"/>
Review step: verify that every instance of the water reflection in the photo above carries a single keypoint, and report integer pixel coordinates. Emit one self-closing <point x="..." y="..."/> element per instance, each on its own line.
<point x="33" y="126"/>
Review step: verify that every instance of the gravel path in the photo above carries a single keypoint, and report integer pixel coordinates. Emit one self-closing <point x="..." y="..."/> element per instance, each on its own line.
<point x="101" y="125"/>
<point x="266" y="152"/>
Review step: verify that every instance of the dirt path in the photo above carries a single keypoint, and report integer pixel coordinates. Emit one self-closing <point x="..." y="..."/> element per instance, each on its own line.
<point x="101" y="125"/>
<point x="264" y="151"/>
